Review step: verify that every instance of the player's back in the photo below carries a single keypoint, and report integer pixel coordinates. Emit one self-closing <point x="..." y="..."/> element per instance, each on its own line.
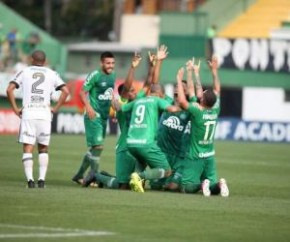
<point x="144" y="121"/>
<point x="37" y="85"/>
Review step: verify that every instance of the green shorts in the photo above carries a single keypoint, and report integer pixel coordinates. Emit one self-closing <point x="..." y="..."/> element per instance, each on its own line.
<point x="150" y="155"/>
<point x="95" y="130"/>
<point x="125" y="166"/>
<point x="196" y="170"/>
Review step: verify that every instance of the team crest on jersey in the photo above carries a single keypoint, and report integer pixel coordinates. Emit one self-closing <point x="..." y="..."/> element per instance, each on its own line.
<point x="107" y="95"/>
<point x="173" y="123"/>
<point x="103" y="84"/>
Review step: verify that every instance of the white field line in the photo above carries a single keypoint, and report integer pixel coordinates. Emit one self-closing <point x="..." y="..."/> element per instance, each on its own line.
<point x="58" y="232"/>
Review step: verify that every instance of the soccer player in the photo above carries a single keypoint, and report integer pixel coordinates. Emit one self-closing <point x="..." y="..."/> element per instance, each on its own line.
<point x="200" y="168"/>
<point x="96" y="95"/>
<point x="37" y="82"/>
<point x="173" y="137"/>
<point x="125" y="162"/>
<point x="141" y="138"/>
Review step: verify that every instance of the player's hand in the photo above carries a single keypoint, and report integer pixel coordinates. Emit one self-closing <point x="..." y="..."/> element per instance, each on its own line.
<point x="213" y="64"/>
<point x="189" y="65"/>
<point x="18" y="112"/>
<point x="180" y="74"/>
<point x="162" y="52"/>
<point x="91" y="112"/>
<point x="136" y="60"/>
<point x="152" y="58"/>
<point x="196" y="68"/>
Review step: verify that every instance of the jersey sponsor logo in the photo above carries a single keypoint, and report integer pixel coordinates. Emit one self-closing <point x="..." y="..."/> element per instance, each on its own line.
<point x="136" y="141"/>
<point x="206" y="154"/>
<point x="107" y="95"/>
<point x="187" y="128"/>
<point x="37" y="99"/>
<point x="103" y="84"/>
<point x="173" y="123"/>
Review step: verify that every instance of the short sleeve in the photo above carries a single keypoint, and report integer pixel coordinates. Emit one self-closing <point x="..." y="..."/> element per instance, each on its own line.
<point x="193" y="108"/>
<point x="127" y="107"/>
<point x="163" y="104"/>
<point x="17" y="79"/>
<point x="59" y="83"/>
<point x="90" y="81"/>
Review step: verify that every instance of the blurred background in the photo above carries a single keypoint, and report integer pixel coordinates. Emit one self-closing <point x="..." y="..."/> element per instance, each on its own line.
<point x="251" y="39"/>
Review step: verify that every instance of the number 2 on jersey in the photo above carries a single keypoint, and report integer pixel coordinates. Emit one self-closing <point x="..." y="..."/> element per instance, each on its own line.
<point x="140" y="112"/>
<point x="39" y="79"/>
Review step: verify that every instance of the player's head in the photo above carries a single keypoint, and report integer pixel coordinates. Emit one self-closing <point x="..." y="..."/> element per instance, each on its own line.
<point x="208" y="98"/>
<point x="157" y="90"/>
<point x="130" y="95"/>
<point x="38" y="58"/>
<point x="107" y="62"/>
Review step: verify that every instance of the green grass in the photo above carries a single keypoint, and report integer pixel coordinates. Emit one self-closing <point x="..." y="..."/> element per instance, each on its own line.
<point x="258" y="208"/>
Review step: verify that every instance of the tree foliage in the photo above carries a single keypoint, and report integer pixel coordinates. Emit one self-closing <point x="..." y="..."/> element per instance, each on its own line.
<point x="86" y="19"/>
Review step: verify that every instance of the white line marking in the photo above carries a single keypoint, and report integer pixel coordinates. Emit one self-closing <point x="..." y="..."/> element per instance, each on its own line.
<point x="58" y="232"/>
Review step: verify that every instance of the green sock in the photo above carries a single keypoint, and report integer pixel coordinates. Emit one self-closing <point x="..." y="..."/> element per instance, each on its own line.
<point x="84" y="166"/>
<point x="108" y="181"/>
<point x="94" y="159"/>
<point x="150" y="174"/>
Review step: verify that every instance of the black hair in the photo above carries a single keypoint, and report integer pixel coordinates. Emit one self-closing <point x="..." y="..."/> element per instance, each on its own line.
<point x="209" y="98"/>
<point x="121" y="88"/>
<point x="106" y="54"/>
<point x="38" y="56"/>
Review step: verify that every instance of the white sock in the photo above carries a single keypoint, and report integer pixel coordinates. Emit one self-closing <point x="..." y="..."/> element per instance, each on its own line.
<point x="28" y="165"/>
<point x="43" y="164"/>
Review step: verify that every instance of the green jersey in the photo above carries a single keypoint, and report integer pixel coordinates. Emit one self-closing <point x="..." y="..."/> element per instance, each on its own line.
<point x="203" y="124"/>
<point x="124" y="121"/>
<point x="174" y="131"/>
<point x="100" y="88"/>
<point x="171" y="128"/>
<point x="144" y="119"/>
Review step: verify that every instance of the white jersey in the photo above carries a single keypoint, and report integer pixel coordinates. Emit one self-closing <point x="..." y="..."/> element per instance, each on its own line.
<point x="37" y="84"/>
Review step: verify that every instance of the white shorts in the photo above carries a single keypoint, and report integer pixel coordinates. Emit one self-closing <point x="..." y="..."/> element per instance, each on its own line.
<point x="32" y="130"/>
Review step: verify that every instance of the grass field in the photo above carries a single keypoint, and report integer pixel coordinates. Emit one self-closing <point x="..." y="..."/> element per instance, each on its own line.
<point x="258" y="208"/>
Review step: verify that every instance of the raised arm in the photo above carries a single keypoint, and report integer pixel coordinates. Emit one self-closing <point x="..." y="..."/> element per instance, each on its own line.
<point x="149" y="79"/>
<point x="189" y="80"/>
<point x="160" y="56"/>
<point x="130" y="77"/>
<point x="155" y="66"/>
<point x="213" y="65"/>
<point x="198" y="86"/>
<point x="181" y="96"/>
